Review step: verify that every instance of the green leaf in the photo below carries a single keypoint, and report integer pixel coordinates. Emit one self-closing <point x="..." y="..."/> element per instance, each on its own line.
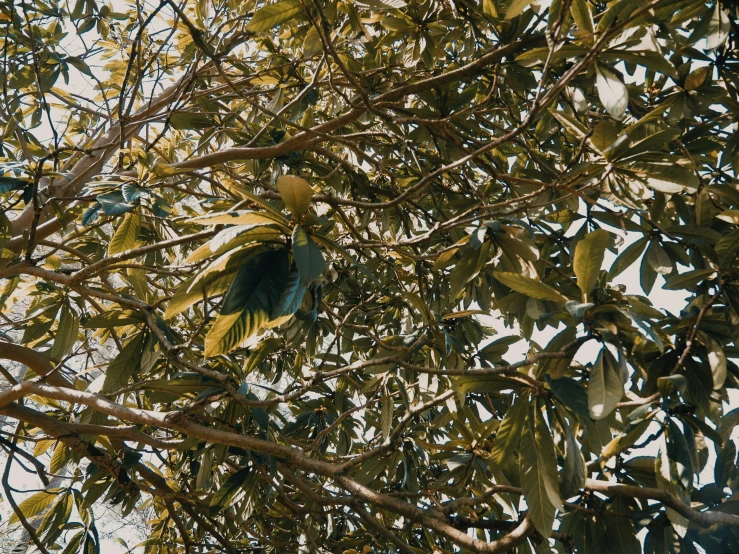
<point x="659" y="259"/>
<point x="260" y="353"/>
<point x="292" y="295"/>
<point x="272" y="15"/>
<point x="620" y="530"/>
<point x="573" y="466"/>
<point x="716" y="359"/>
<point x="190" y="120"/>
<point x="308" y="257"/>
<point x="113" y="203"/>
<point x="726" y="249"/>
<point x="697" y="77"/>
<point x="66" y="333"/>
<point x="73" y="544"/>
<point x="508" y="436"/>
<point x="605" y="388"/>
<point x="718" y="28"/>
<point x="467" y="268"/>
<point x="571" y="125"/>
<point x="589" y="254"/>
<point x="125" y="364"/>
<point x="249" y="303"/>
<point x="386" y="417"/>
<point x="570" y="393"/>
<point x="516" y="7"/>
<point x="125" y="235"/>
<point x="528" y="286"/>
<point x="35" y="504"/>
<point x="583" y="17"/>
<point x="225" y="495"/>
<point x="689" y="280"/>
<point x="183" y="298"/>
<point x="665" y="177"/>
<point x="12" y="183"/>
<point x="611" y="91"/>
<point x="539" y="472"/>
<point x="626" y="258"/>
<point x="556" y="367"/>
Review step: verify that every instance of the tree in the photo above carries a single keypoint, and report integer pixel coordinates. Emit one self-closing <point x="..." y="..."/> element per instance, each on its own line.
<point x="268" y="265"/>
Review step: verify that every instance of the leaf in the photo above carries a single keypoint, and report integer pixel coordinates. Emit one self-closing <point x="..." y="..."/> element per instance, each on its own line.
<point x="556" y="367"/>
<point x="190" y="120"/>
<point x="183" y="299"/>
<point x="539" y="472"/>
<point x="35" y="504"/>
<point x="605" y="388"/>
<point x="583" y="18"/>
<point x="12" y="183"/>
<point x="125" y="235"/>
<point x="730" y="216"/>
<point x="308" y="257"/>
<point x="573" y="466"/>
<point x="225" y="495"/>
<point x="570" y="393"/>
<point x="697" y="77"/>
<point x="249" y="303"/>
<point x="588" y="260"/>
<point x="239" y="217"/>
<point x="508" y="436"/>
<point x="66" y="333"/>
<point x="718" y="28"/>
<point x="296" y="193"/>
<point x="611" y="91"/>
<point x="516" y="7"/>
<point x="125" y="364"/>
<point x="114" y="204"/>
<point x="620" y="531"/>
<point x="571" y="125"/>
<point x="528" y="286"/>
<point x="291" y="296"/>
<point x="260" y="353"/>
<point x="668" y="178"/>
<point x="386" y="417"/>
<point x="626" y="258"/>
<point x="91" y="213"/>
<point x="659" y="259"/>
<point x="272" y="15"/>
<point x="466" y="268"/>
<point x="689" y="280"/>
<point x="716" y="360"/>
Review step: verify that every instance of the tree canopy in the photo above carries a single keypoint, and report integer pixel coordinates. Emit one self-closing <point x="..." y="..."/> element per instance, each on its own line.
<point x="322" y="275"/>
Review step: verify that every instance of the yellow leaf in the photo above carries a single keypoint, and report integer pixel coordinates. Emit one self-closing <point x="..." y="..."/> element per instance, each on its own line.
<point x="296" y="193"/>
<point x="125" y="235"/>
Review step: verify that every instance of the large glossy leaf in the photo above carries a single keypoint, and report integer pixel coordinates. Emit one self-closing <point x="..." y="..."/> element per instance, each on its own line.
<point x="229" y="490"/>
<point x="308" y="257"/>
<point x="272" y="15"/>
<point x="588" y="260"/>
<point x="508" y="436"/>
<point x="539" y="471"/>
<point x="528" y="286"/>
<point x="123" y="366"/>
<point x="249" y="303"/>
<point x="611" y="91"/>
<point x="35" y="504"/>
<point x="125" y="234"/>
<point x="605" y="387"/>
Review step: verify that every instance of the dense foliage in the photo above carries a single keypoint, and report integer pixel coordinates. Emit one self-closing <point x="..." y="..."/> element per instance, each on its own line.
<point x="268" y="264"/>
